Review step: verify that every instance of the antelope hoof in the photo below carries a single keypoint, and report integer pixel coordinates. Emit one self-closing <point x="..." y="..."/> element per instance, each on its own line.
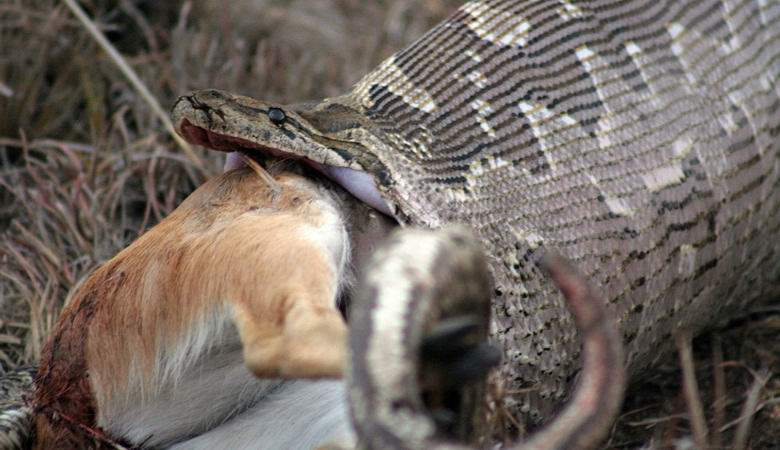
<point x="455" y="348"/>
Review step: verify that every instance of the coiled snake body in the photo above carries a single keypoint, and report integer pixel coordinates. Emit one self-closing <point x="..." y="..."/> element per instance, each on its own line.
<point x="424" y="278"/>
<point x="637" y="138"/>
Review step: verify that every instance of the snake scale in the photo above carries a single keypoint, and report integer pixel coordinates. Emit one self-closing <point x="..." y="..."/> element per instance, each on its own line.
<point x="422" y="281"/>
<point x="637" y="138"/>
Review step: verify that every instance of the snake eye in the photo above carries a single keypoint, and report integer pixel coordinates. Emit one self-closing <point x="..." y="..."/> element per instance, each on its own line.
<point x="276" y="116"/>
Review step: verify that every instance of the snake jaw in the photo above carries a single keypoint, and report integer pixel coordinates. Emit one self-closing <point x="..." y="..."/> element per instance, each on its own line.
<point x="358" y="183"/>
<point x="210" y="139"/>
<point x="225" y="122"/>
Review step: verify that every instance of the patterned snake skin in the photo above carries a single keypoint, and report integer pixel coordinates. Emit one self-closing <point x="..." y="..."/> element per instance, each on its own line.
<point x="638" y="138"/>
<point x="15" y="413"/>
<point x="420" y="280"/>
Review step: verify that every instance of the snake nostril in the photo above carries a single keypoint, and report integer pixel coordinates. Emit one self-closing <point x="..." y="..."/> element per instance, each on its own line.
<point x="214" y="94"/>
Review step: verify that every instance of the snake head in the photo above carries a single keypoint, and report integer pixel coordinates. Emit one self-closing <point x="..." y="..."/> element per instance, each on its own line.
<point x="328" y="136"/>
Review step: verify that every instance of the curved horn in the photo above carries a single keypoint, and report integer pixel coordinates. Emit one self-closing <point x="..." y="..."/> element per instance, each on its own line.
<point x="423" y="277"/>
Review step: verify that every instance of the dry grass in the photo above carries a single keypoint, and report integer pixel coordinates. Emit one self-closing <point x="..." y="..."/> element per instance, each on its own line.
<point x="85" y="166"/>
<point x="737" y="373"/>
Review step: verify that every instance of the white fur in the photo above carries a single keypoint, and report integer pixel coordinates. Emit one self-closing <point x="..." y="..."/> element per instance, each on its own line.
<point x="359" y="184"/>
<point x="211" y="400"/>
<point x="297" y="415"/>
<point x="203" y="396"/>
<point x="233" y="161"/>
<point x="331" y="235"/>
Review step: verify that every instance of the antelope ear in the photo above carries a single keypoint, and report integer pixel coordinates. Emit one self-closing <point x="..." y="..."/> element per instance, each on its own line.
<point x="360" y="184"/>
<point x="233" y="161"/>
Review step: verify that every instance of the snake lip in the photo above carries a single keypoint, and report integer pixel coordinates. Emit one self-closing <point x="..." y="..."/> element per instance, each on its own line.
<point x="197" y="135"/>
<point x="226" y="143"/>
<point x="361" y="185"/>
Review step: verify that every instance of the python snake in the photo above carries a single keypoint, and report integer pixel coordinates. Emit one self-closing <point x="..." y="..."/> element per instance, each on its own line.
<point x="637" y="138"/>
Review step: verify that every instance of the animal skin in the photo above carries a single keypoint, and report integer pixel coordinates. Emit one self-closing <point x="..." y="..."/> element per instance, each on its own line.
<point x="638" y="138"/>
<point x="153" y="348"/>
<point x="15" y="411"/>
<point x="427" y="293"/>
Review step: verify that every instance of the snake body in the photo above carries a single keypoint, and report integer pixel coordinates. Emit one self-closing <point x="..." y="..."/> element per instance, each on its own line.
<point x="15" y="411"/>
<point x="637" y="138"/>
<point x="422" y="277"/>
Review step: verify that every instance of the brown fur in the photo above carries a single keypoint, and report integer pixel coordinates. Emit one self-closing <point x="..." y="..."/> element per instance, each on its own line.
<point x="232" y="244"/>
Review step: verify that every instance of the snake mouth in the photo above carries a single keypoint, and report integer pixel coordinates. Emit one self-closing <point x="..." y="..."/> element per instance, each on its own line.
<point x="235" y="145"/>
<point x="359" y="184"/>
<point x="228" y="144"/>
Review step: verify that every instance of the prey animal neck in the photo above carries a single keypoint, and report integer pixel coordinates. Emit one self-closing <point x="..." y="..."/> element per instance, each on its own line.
<point x="156" y="345"/>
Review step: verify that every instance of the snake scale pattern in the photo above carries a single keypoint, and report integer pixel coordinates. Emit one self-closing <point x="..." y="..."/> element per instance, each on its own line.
<point x="422" y="279"/>
<point x="637" y="138"/>
<point x="15" y="412"/>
